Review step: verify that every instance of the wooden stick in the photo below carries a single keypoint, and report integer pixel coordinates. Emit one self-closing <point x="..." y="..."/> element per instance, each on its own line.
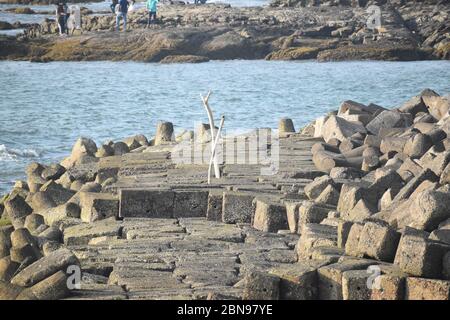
<point x="213" y="151"/>
<point x="212" y="129"/>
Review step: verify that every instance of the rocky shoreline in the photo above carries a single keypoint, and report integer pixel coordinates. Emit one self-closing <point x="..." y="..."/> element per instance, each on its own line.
<point x="189" y="33"/>
<point x="360" y="194"/>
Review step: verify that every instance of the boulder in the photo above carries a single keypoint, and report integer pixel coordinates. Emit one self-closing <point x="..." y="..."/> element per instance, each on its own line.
<point x="56" y="261"/>
<point x="120" y="148"/>
<point x="133" y="143"/>
<point x="354" y="285"/>
<point x="353" y="107"/>
<point x="164" y="133"/>
<point x="442" y="235"/>
<point x="343" y="230"/>
<point x="437" y="106"/>
<point x="21" y="237"/>
<point x="9" y="291"/>
<point x="42" y="201"/>
<point x="372" y="141"/>
<point x="7" y="268"/>
<point x="105" y="151"/>
<point x="33" y="221"/>
<point x="423" y="118"/>
<point x="25" y="254"/>
<point x="83" y="151"/>
<point x="435" y="161"/>
<point x="389" y="119"/>
<point x="318" y="126"/>
<point x="315" y="188"/>
<point x="350" y="195"/>
<point x="419" y="256"/>
<point x="427" y="289"/>
<point x="297" y="281"/>
<point x="352" y="243"/>
<point x="98" y="206"/>
<point x="34" y="171"/>
<point x="214" y="209"/>
<point x="17" y="210"/>
<point x="5" y="240"/>
<point x="388" y="287"/>
<point x="315" y="235"/>
<point x="21" y="185"/>
<point x="446" y="266"/>
<point x="57" y="192"/>
<point x="360" y="212"/>
<point x="52" y="234"/>
<point x="346" y="173"/>
<point x="65" y="180"/>
<point x="429" y="209"/>
<point x="417" y="145"/>
<point x="64" y="211"/>
<point x="52" y="288"/>
<point x="414" y="106"/>
<point x="81" y="234"/>
<point x="261" y="286"/>
<point x="292" y="214"/>
<point x="336" y="127"/>
<point x="53" y="172"/>
<point x="411" y="186"/>
<point x="285" y="125"/>
<point x="386" y="199"/>
<point x="422" y="211"/>
<point x="311" y="212"/>
<point x="445" y="176"/>
<point x="146" y="203"/>
<point x="378" y="241"/>
<point x="269" y="217"/>
<point x="328" y="196"/>
<point x="203" y="133"/>
<point x="237" y="207"/>
<point x="192" y="203"/>
<point x="393" y="144"/>
<point x="91" y="187"/>
<point x="436" y="135"/>
<point x="330" y="277"/>
<point x="51" y="246"/>
<point x="349" y="144"/>
<point x="409" y="167"/>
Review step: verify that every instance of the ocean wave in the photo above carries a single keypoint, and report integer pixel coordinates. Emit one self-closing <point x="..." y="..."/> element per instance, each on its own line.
<point x="13" y="154"/>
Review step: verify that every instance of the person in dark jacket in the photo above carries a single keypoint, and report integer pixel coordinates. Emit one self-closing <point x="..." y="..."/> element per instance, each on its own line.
<point x="122" y="13"/>
<point x="113" y="5"/>
<point x="61" y="18"/>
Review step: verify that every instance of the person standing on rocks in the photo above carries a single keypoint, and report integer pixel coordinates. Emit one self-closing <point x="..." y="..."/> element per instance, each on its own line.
<point x="61" y="18"/>
<point x="66" y="15"/>
<point x="151" y="7"/>
<point x="122" y="13"/>
<point x="113" y="5"/>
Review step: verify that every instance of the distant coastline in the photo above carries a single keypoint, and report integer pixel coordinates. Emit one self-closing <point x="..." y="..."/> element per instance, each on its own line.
<point x="189" y="33"/>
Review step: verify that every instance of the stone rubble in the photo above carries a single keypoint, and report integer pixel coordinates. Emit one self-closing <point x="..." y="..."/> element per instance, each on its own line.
<point x="352" y="197"/>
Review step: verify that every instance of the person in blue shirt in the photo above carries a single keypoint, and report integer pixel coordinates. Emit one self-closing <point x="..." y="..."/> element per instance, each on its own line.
<point x="151" y="7"/>
<point x="121" y="12"/>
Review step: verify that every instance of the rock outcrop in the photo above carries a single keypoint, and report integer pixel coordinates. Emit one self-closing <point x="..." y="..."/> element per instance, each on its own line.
<point x="359" y="212"/>
<point x="192" y="33"/>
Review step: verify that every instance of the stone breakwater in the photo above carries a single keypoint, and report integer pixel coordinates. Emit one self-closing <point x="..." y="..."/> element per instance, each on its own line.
<point x="192" y="33"/>
<point x="357" y="209"/>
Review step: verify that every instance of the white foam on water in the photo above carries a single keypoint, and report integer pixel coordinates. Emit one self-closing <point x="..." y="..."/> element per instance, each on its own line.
<point x="11" y="154"/>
